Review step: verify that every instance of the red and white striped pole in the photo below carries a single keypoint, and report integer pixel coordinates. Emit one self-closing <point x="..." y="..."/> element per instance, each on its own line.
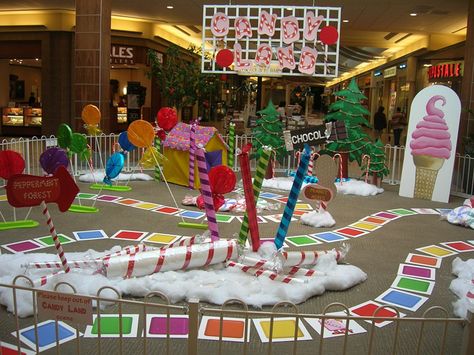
<point x="337" y="155"/>
<point x="365" y="156"/>
<point x="57" y="243"/>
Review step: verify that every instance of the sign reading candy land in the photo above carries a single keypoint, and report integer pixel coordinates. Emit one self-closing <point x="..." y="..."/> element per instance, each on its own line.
<point x="271" y="40"/>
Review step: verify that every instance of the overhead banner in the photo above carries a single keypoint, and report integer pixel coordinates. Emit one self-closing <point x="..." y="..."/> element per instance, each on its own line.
<point x="314" y="135"/>
<point x="271" y="40"/>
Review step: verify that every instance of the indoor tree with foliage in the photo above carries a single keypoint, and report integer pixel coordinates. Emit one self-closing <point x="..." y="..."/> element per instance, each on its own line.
<point x="376" y="166"/>
<point x="348" y="109"/>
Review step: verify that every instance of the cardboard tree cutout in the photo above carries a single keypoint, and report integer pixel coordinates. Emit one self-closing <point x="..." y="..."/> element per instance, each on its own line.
<point x="431" y="144"/>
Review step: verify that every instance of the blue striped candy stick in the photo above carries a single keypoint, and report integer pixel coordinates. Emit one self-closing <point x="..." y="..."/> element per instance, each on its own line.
<point x="207" y="194"/>
<point x="293" y="198"/>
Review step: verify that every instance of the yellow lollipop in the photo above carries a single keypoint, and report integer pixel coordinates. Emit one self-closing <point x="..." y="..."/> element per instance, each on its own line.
<point x="141" y="133"/>
<point x="91" y="114"/>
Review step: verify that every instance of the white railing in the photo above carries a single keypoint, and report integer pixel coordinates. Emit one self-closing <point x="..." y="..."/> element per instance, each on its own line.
<point x="103" y="146"/>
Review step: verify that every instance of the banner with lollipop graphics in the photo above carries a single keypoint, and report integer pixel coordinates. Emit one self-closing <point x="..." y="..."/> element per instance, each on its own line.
<point x="431" y="144"/>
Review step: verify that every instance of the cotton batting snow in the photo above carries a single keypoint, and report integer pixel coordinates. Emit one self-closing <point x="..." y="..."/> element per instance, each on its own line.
<point x="351" y="187"/>
<point x="214" y="284"/>
<point x="317" y="219"/>
<point x="99" y="176"/>
<point x="463" y="287"/>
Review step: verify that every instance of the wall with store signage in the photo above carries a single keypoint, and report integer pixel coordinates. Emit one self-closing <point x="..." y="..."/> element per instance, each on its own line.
<point x="446" y="71"/>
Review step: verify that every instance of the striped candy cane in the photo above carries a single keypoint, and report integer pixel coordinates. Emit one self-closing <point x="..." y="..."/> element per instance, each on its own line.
<point x="192" y="154"/>
<point x="298" y="157"/>
<point x="250" y="202"/>
<point x="271" y="265"/>
<point x="337" y="155"/>
<point x="43" y="280"/>
<point x="75" y="264"/>
<point x="257" y="186"/>
<point x="57" y="243"/>
<point x="157" y="174"/>
<point x="230" y="156"/>
<point x="365" y="156"/>
<point x="292" y="198"/>
<point x="299" y="258"/>
<point x="311" y="163"/>
<point x="207" y="194"/>
<point x="258" y="272"/>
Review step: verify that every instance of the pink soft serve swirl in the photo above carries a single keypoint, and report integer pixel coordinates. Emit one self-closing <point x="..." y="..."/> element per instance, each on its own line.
<point x="431" y="136"/>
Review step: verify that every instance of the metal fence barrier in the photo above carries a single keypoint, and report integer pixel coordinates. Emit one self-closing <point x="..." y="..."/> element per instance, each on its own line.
<point x="406" y="332"/>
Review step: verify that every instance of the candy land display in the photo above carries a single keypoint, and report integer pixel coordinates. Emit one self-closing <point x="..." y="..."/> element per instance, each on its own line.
<point x="431" y="142"/>
<point x="11" y="164"/>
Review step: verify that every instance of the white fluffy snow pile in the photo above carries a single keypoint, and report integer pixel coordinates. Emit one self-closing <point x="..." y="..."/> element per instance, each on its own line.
<point x="351" y="187"/>
<point x="358" y="187"/>
<point x="98" y="176"/>
<point x="214" y="284"/>
<point x="463" y="286"/>
<point x="317" y="219"/>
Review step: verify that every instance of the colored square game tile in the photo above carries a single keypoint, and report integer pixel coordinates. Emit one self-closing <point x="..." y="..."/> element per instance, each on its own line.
<point x="334" y="327"/>
<point x="282" y="199"/>
<point x="459" y="246"/>
<point x="365" y="226"/>
<point x="224" y="218"/>
<point x="299" y="212"/>
<point x="23" y="246"/>
<point x="157" y="326"/>
<point x="128" y="201"/>
<point x="260" y="219"/>
<point x="402" y="211"/>
<point x="271" y="240"/>
<point x="436" y="251"/>
<point x="192" y="214"/>
<point x="129" y="235"/>
<point x="283" y="329"/>
<point x="110" y="326"/>
<point x="328" y="237"/>
<point x="90" y="235"/>
<point x="167" y="210"/>
<point x="425" y="211"/>
<point x="375" y="220"/>
<point x="108" y="198"/>
<point x="413" y="285"/>
<point x="402" y="299"/>
<point x="420" y="272"/>
<point x="10" y="349"/>
<point x="444" y="211"/>
<point x="423" y="260"/>
<point x="46" y="335"/>
<point x="304" y="206"/>
<point x="277" y="218"/>
<point x="146" y="205"/>
<point x="3" y="198"/>
<point x="48" y="240"/>
<point x="161" y="238"/>
<point x="369" y="308"/>
<point x="350" y="232"/>
<point x="387" y="215"/>
<point x="269" y="195"/>
<point x="86" y="196"/>
<point x="233" y="329"/>
<point x="302" y="240"/>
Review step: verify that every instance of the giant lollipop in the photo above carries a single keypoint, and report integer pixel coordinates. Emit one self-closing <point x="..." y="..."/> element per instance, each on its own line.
<point x="222" y="181"/>
<point x="52" y="158"/>
<point x="11" y="163"/>
<point x="124" y="143"/>
<point x="166" y="118"/>
<point x="91" y="116"/>
<point x="113" y="167"/>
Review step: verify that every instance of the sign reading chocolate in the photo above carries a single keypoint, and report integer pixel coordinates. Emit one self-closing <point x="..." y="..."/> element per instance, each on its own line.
<point x="314" y="135"/>
<point x="296" y="41"/>
<point x="446" y="70"/>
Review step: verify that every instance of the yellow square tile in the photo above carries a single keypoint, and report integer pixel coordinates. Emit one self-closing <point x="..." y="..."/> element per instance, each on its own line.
<point x="281" y="328"/>
<point x="303" y="206"/>
<point x="366" y="226"/>
<point x="146" y="206"/>
<point x="161" y="238"/>
<point x="437" y="251"/>
<point x="3" y="197"/>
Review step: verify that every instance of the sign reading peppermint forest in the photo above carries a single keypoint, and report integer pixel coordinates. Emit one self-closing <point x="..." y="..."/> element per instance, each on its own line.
<point x="271" y="40"/>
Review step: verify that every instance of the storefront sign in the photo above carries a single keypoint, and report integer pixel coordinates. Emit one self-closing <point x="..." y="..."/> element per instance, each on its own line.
<point x="129" y="55"/>
<point x="315" y="135"/>
<point x="446" y="70"/>
<point x="390" y="72"/>
<point x="276" y="40"/>
<point x="29" y="190"/>
<point x="65" y="307"/>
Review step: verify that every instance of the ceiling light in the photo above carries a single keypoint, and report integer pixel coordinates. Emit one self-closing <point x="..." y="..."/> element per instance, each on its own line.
<point x="346" y="21"/>
<point x="427" y="65"/>
<point x="289" y="8"/>
<point x="413" y="14"/>
<point x="170" y="7"/>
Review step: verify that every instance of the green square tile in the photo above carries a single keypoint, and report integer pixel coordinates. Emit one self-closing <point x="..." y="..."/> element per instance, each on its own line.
<point x="48" y="240"/>
<point x="224" y="218"/>
<point x="86" y="196"/>
<point x="403" y="212"/>
<point x="413" y="284"/>
<point x="301" y="240"/>
<point x="110" y="325"/>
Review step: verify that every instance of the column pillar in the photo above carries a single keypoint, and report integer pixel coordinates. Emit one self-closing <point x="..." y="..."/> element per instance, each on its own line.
<point x="466" y="127"/>
<point x="92" y="59"/>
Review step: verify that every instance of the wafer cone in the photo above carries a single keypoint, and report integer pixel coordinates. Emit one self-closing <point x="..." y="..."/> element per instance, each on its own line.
<point x="427" y="168"/>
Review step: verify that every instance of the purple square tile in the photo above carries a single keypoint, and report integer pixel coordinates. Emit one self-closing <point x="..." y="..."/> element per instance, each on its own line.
<point x="178" y="326"/>
<point x="24" y="246"/>
<point x="108" y="198"/>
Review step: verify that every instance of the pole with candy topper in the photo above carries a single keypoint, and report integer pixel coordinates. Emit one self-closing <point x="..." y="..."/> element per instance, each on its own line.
<point x="231" y="144"/>
<point x="292" y="198"/>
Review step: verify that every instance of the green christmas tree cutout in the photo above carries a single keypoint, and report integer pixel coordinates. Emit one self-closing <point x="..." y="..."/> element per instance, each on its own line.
<point x="269" y="132"/>
<point x="376" y="165"/>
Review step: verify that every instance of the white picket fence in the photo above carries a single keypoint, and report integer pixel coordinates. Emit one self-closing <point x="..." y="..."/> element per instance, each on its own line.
<point x="103" y="146"/>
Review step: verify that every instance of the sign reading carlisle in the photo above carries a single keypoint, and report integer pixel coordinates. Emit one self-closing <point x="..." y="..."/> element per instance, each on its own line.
<point x="271" y="40"/>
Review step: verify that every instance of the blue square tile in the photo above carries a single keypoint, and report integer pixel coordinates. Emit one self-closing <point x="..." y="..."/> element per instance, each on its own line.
<point x="90" y="235"/>
<point x="328" y="237"/>
<point x="192" y="214"/>
<point x="402" y="299"/>
<point x="47" y="334"/>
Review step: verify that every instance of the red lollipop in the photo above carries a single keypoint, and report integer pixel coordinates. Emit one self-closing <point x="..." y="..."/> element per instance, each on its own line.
<point x="329" y="35"/>
<point x="166" y="118"/>
<point x="224" y="58"/>
<point x="11" y="163"/>
<point x="222" y="179"/>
